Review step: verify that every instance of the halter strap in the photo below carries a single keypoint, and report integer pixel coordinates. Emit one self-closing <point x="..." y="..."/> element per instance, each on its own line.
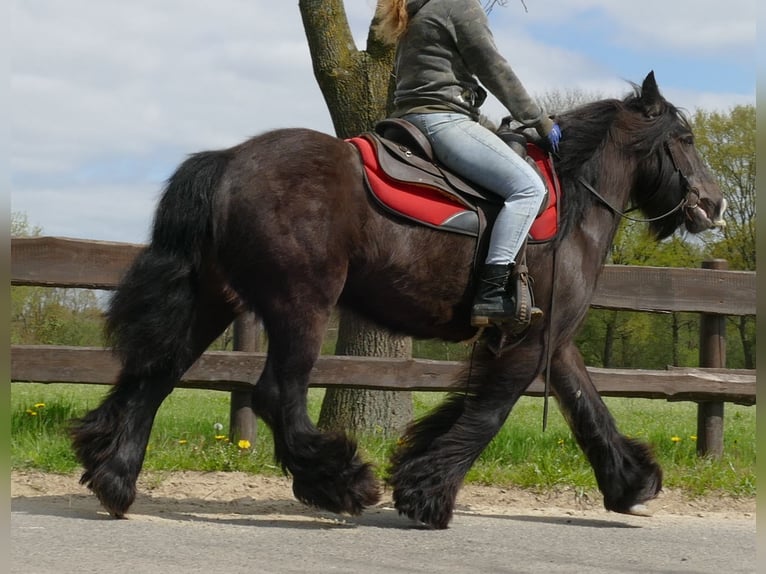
<point x="689" y="201"/>
<point x="684" y="177"/>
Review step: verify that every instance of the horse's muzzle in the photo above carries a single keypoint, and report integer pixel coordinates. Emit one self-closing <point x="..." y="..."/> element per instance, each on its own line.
<point x="703" y="213"/>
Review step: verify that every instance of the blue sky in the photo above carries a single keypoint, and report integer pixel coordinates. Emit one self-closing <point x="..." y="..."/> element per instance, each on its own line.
<point x="108" y="97"/>
<point x="590" y="33"/>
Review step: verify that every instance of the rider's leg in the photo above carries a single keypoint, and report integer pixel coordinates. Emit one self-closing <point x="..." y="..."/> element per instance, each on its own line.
<point x="478" y="154"/>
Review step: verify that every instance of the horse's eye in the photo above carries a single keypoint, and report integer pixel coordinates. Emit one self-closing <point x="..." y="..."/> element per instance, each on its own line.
<point x="687" y="139"/>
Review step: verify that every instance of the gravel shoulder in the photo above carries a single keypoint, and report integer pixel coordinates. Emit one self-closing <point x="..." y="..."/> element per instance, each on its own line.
<point x="232" y="492"/>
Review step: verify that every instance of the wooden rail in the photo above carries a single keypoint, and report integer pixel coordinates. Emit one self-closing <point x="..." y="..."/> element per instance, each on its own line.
<point x="64" y="262"/>
<point x="238" y="371"/>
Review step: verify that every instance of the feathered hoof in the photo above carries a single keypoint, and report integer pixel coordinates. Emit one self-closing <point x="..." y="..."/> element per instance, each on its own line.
<point x="115" y="493"/>
<point x="433" y="511"/>
<point x="633" y="501"/>
<point x="348" y="492"/>
<point x="639" y="510"/>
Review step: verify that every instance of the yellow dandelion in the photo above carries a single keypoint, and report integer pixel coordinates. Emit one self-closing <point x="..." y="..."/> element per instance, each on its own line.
<point x="39" y="405"/>
<point x="220" y="437"/>
<point x="243" y="444"/>
<point x="561" y="442"/>
<point x="182" y="441"/>
<point x="31" y="413"/>
<point x="675" y="438"/>
<point x="692" y="437"/>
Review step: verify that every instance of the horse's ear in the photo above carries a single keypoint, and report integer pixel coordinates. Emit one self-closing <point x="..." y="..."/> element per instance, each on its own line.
<point x="651" y="98"/>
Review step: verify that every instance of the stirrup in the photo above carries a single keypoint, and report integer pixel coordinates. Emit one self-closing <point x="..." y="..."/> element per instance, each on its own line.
<point x="527" y="313"/>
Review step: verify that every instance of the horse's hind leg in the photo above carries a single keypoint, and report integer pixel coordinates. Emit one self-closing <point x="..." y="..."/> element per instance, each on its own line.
<point x="625" y="469"/>
<point x="111" y="440"/>
<point x="326" y="469"/>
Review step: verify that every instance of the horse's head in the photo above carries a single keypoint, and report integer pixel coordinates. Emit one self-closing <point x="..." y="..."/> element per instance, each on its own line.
<point x="672" y="174"/>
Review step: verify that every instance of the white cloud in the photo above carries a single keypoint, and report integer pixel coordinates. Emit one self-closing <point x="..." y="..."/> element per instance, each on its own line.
<point x="692" y="26"/>
<point x="100" y="211"/>
<point x="718" y="101"/>
<point x="144" y="83"/>
<point x="125" y="76"/>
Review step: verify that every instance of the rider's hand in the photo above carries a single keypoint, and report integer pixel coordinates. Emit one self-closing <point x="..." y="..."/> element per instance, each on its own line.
<point x="554" y="137"/>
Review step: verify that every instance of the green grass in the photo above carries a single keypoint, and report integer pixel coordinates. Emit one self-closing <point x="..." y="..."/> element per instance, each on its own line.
<point x="189" y="434"/>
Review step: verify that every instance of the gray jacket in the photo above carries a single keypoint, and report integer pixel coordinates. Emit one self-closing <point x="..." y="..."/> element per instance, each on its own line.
<point x="447" y="47"/>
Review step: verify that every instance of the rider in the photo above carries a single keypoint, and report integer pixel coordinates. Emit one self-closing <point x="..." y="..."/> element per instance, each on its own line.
<point x="443" y="48"/>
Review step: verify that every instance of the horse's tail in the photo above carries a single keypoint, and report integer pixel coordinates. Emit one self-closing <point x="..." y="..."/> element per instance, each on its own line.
<point x="150" y="316"/>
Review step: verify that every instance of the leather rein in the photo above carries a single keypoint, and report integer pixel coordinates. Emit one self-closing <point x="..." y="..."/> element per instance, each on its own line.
<point x="688" y="202"/>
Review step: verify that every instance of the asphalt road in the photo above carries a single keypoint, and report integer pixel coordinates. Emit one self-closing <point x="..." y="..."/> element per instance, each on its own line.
<point x="71" y="534"/>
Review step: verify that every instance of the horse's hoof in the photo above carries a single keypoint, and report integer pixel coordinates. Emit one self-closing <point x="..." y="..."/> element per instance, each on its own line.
<point x="639" y="510"/>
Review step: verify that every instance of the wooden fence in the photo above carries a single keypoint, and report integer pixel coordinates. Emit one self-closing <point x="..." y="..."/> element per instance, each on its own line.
<point x="712" y="291"/>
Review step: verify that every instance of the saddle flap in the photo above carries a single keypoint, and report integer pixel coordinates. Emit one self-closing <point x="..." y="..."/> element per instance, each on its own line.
<point x="416" y="201"/>
<point x="418" y="189"/>
<point x="400" y="164"/>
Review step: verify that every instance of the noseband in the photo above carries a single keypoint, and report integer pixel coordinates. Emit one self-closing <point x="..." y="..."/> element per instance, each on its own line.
<point x="692" y="193"/>
<point x="688" y="202"/>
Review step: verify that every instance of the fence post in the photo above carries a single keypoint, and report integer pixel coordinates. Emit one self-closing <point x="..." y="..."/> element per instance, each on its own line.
<point x="713" y="355"/>
<point x="246" y="337"/>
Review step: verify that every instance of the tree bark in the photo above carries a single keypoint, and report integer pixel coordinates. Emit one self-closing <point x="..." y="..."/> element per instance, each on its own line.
<point x="384" y="413"/>
<point x="609" y="337"/>
<point x="356" y="86"/>
<point x="747" y="342"/>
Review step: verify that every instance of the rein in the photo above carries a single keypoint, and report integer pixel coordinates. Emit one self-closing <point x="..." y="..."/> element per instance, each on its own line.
<point x="689" y="201"/>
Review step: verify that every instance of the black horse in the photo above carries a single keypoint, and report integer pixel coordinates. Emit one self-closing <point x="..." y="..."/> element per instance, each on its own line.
<point x="282" y="225"/>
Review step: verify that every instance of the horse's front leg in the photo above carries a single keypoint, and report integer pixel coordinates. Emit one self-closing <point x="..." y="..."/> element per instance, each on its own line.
<point x="436" y="452"/>
<point x="625" y="469"/>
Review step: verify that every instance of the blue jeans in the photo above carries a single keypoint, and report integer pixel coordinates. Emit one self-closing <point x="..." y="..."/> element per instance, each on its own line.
<point x="477" y="154"/>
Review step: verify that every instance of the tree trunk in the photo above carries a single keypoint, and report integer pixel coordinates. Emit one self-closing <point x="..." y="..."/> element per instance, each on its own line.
<point x="747" y="342"/>
<point x="384" y="413"/>
<point x="356" y="86"/>
<point x="609" y="337"/>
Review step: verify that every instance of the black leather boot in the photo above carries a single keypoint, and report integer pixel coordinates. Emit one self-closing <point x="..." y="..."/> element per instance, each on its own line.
<point x="491" y="303"/>
<point x="499" y="303"/>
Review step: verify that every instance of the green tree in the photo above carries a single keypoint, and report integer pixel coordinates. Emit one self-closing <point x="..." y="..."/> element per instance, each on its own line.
<point x="643" y="340"/>
<point x="356" y="86"/>
<point x="52" y="316"/>
<point x="20" y="226"/>
<point x="727" y="142"/>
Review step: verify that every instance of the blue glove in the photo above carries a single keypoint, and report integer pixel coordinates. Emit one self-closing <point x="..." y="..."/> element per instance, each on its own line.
<point x="554" y="137"/>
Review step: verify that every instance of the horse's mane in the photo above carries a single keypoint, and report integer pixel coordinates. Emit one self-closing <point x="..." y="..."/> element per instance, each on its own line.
<point x="590" y="130"/>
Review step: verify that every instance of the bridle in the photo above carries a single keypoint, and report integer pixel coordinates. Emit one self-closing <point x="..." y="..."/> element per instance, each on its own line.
<point x="688" y="202"/>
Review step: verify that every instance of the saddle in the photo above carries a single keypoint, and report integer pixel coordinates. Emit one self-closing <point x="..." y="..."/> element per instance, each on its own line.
<point x="403" y="176"/>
